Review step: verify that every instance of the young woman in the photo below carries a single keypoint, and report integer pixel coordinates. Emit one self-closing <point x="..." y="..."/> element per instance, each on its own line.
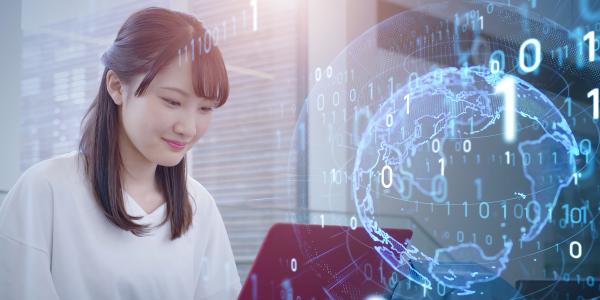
<point x="120" y="218"/>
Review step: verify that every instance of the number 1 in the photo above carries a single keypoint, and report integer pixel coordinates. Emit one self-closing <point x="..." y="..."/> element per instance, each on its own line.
<point x="254" y="4"/>
<point x="590" y="37"/>
<point x="507" y="87"/>
<point x="594" y="95"/>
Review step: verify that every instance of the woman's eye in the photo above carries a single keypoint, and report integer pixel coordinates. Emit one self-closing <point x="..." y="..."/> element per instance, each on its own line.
<point x="207" y="109"/>
<point x="171" y="102"/>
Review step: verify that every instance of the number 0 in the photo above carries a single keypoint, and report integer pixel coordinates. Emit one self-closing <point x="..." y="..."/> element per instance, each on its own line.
<point x="537" y="55"/>
<point x="573" y="255"/>
<point x="294" y="265"/>
<point x="386" y="183"/>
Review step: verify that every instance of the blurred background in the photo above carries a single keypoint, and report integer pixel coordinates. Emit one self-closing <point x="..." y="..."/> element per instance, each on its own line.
<point x="51" y="72"/>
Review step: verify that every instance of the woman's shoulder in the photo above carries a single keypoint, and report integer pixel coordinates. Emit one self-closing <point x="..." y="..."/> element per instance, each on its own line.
<point x="202" y="201"/>
<point x="38" y="184"/>
<point x="52" y="170"/>
<point x="27" y="211"/>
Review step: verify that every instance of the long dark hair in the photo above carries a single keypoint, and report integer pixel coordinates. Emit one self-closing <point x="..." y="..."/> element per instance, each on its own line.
<point x="147" y="41"/>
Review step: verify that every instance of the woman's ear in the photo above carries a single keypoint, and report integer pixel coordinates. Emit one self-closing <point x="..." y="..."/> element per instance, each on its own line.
<point x="115" y="87"/>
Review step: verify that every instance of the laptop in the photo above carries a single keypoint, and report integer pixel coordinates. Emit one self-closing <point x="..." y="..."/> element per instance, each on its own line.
<point x="305" y="261"/>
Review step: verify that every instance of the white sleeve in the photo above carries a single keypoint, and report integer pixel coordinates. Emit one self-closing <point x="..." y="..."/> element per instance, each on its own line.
<point x="218" y="278"/>
<point x="26" y="239"/>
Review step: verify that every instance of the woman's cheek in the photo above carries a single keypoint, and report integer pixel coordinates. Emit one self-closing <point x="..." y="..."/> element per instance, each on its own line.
<point x="164" y="118"/>
<point x="204" y="125"/>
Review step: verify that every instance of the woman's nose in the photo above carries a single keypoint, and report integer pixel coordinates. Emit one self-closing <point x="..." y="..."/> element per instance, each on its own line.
<point x="186" y="126"/>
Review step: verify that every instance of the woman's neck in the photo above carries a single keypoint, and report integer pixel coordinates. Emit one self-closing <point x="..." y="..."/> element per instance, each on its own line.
<point x="138" y="173"/>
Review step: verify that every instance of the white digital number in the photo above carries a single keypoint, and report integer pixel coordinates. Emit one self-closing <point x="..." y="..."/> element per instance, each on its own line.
<point x="386" y="183"/>
<point x="507" y="87"/>
<point x="594" y="95"/>
<point x="590" y="37"/>
<point x="537" y="55"/>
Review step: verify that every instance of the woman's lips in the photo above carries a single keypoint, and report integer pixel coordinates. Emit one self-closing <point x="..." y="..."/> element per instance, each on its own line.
<point x="175" y="145"/>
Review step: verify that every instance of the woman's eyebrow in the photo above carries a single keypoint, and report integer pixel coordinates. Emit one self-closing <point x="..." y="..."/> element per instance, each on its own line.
<point x="176" y="90"/>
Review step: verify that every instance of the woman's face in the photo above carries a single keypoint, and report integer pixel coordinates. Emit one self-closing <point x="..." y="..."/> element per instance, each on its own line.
<point x="167" y="114"/>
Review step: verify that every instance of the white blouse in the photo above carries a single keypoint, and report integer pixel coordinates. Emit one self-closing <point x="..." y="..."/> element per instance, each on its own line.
<point x="55" y="243"/>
